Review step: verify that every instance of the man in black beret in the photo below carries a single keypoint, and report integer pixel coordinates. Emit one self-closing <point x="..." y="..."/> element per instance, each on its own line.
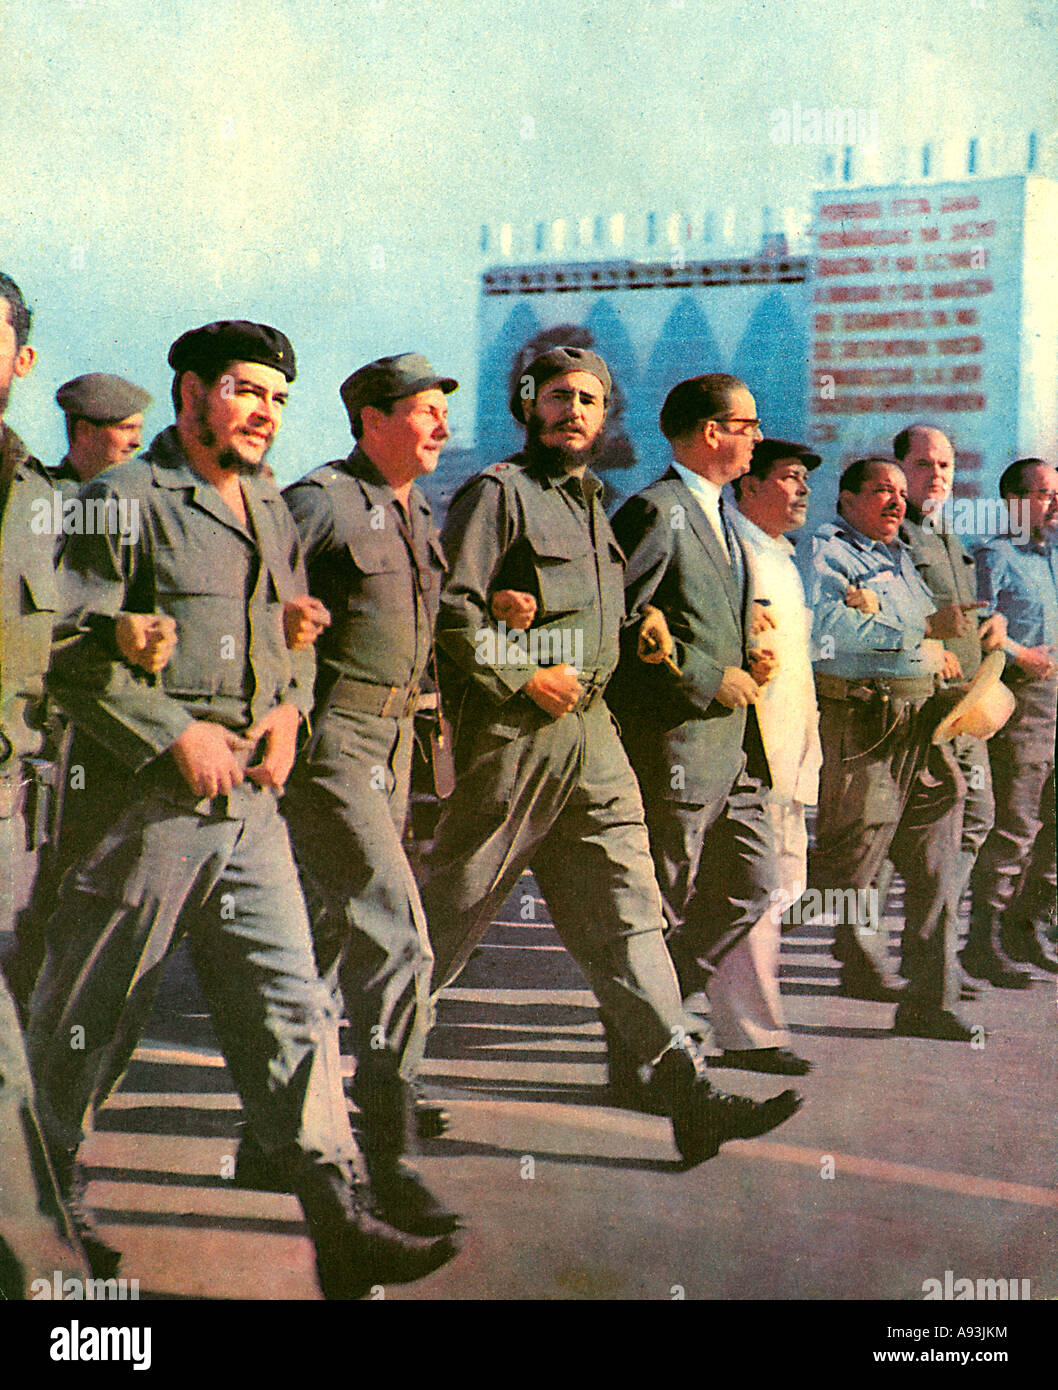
<point x="104" y="426"/>
<point x="375" y="562"/>
<point x="542" y="779"/>
<point x="200" y="847"/>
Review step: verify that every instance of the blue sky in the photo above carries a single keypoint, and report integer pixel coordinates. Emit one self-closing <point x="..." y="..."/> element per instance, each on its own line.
<point x="327" y="166"/>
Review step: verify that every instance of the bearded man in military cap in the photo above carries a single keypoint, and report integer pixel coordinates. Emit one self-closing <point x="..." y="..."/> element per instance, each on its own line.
<point x="104" y="426"/>
<point x="542" y="779"/>
<point x="201" y="848"/>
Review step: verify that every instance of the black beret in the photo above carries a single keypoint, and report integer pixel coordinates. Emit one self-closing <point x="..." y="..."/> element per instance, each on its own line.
<point x="101" y="397"/>
<point x="391" y="379"/>
<point x="208" y="349"/>
<point x="557" y="361"/>
<point x="767" y="452"/>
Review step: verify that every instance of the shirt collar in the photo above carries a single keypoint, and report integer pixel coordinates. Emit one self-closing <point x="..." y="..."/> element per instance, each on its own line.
<point x="893" y="553"/>
<point x="758" y="537"/>
<point x="360" y="467"/>
<point x="703" y="489"/>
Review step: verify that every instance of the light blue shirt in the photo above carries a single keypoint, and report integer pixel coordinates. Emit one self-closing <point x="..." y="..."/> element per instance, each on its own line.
<point x="856" y="645"/>
<point x="1021" y="581"/>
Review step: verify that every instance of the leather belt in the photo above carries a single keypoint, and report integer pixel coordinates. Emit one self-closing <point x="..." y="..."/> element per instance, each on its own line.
<point x="868" y="687"/>
<point x="594" y="683"/>
<point x="364" y="697"/>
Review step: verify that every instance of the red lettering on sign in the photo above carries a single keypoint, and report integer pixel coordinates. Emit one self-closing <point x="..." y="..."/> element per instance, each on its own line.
<point x="900" y="206"/>
<point x="899" y="318"/>
<point x="838" y="212"/>
<point x="910" y="403"/>
<point x="967" y="231"/>
<point x="837" y="241"/>
<point x="845" y="265"/>
<point x="956" y="260"/>
<point x="875" y="376"/>
<point x="967" y="203"/>
<point x="824" y="323"/>
<point x="961" y="289"/>
<point x="966" y="316"/>
<point x="972" y="343"/>
<point x="929" y="233"/>
<point x="885" y="347"/>
<point x="847" y="294"/>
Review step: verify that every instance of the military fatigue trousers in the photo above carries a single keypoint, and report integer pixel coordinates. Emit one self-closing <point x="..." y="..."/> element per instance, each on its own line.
<point x="35" y="1240"/>
<point x="34" y="1236"/>
<point x="886" y="792"/>
<point x="223" y="874"/>
<point x="347" y="804"/>
<point x="557" y="796"/>
<point x="1019" y="855"/>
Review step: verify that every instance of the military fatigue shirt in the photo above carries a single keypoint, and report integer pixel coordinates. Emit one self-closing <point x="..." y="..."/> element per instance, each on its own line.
<point x="948" y="573"/>
<point x="29" y="596"/>
<point x="191" y="558"/>
<point x="376" y="568"/>
<point x="853" y="644"/>
<point x="517" y="526"/>
<point x="66" y="478"/>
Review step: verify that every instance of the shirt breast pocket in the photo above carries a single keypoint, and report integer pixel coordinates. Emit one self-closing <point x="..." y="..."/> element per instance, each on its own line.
<point x="564" y="567"/>
<point x="208" y="605"/>
<point x="375" y="556"/>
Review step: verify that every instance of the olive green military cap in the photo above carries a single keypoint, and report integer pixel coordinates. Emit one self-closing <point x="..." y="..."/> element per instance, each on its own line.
<point x="101" y="397"/>
<point x="557" y="361"/>
<point x="391" y="379"/>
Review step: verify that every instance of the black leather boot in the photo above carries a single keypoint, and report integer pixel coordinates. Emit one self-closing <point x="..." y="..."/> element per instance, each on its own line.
<point x="355" y="1249"/>
<point x="983" y="956"/>
<point x="703" y="1117"/>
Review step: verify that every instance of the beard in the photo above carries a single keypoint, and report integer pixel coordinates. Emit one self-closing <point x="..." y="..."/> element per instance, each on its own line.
<point x="235" y="463"/>
<point x="556" y="457"/>
<point x="228" y="458"/>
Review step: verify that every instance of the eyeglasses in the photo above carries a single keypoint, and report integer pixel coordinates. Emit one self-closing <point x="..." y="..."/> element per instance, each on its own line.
<point x="734" y="420"/>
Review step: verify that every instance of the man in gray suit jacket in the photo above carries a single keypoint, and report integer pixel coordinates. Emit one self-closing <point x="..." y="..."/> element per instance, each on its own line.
<point x="692" y="735"/>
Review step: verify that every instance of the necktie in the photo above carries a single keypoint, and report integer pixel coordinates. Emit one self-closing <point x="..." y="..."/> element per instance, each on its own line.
<point x="734" y="551"/>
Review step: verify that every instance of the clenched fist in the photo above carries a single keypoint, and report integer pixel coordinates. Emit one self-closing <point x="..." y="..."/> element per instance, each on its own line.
<point x="654" y="643"/>
<point x="204" y="754"/>
<point x="514" y="608"/>
<point x="737" y="688"/>
<point x="145" y="639"/>
<point x="762" y="620"/>
<point x="953" y="620"/>
<point x="864" y="600"/>
<point x="555" y="689"/>
<point x="304" y="618"/>
<point x="763" y="663"/>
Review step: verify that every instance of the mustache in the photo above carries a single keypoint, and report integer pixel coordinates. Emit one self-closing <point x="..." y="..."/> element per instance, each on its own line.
<point x="556" y="454"/>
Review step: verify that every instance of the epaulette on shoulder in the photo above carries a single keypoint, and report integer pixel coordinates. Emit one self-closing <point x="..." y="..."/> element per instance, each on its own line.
<point x="326" y="475"/>
<point x="505" y="473"/>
